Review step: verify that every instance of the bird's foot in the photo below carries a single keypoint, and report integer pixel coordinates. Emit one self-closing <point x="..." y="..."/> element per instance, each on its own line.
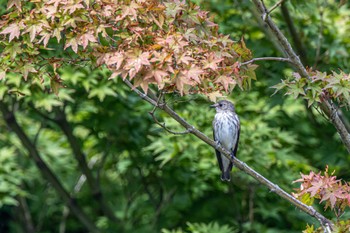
<point x="232" y="155"/>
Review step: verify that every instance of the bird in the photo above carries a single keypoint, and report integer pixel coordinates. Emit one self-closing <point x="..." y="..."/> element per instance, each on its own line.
<point x="226" y="131"/>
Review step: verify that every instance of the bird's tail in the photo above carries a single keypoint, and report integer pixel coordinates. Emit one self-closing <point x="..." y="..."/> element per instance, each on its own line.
<point x="225" y="175"/>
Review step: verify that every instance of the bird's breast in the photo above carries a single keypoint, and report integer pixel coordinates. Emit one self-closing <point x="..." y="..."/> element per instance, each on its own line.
<point x="226" y="130"/>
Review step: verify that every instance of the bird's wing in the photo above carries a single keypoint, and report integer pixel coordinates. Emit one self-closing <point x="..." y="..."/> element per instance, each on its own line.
<point x="218" y="154"/>
<point x="236" y="145"/>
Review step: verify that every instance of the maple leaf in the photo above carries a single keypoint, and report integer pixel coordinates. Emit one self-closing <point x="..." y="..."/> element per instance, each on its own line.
<point x="306" y="178"/>
<point x="86" y="38"/>
<point x="49" y="12"/>
<point x="333" y="195"/>
<point x="193" y="74"/>
<point x="185" y="59"/>
<point x="161" y="57"/>
<point x="13" y="30"/>
<point x="157" y="74"/>
<point x="225" y="81"/>
<point x="115" y="59"/>
<point x="72" y="42"/>
<point x="129" y="10"/>
<point x="172" y="8"/>
<point x="56" y="83"/>
<point x="159" y="21"/>
<point x="72" y="8"/>
<point x="57" y="33"/>
<point x="33" y="30"/>
<point x="180" y="81"/>
<point x="136" y="59"/>
<point x="317" y="185"/>
<point x="13" y="49"/>
<point x="122" y="73"/>
<point x="225" y="40"/>
<point x="211" y="62"/>
<point x="214" y="95"/>
<point x="26" y="69"/>
<point x="132" y="72"/>
<point x="45" y="37"/>
<point x="2" y="74"/>
<point x="16" y="3"/>
<point x="144" y="83"/>
<point x="56" y="2"/>
<point x="72" y="22"/>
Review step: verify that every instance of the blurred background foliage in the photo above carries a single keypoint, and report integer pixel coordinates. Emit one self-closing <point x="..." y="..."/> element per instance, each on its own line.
<point x="154" y="181"/>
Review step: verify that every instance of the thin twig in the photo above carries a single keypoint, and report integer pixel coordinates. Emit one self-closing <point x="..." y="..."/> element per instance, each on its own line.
<point x="156" y="105"/>
<point x="282" y="59"/>
<point x="187" y="131"/>
<point x="272" y="9"/>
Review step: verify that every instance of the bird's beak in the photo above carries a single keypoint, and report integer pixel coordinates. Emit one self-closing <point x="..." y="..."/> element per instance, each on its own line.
<point x="214" y="105"/>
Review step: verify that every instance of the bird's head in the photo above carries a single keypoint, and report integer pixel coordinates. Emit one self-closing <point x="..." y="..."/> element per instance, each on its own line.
<point x="223" y="105"/>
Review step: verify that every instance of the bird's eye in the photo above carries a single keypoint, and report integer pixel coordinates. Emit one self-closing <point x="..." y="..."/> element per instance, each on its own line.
<point x="220" y="105"/>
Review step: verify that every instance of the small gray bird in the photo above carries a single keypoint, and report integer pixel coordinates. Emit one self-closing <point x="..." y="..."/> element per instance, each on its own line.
<point x="226" y="129"/>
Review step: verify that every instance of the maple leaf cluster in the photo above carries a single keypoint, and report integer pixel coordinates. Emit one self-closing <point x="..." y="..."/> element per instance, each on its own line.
<point x="320" y="85"/>
<point x="327" y="188"/>
<point x="173" y="45"/>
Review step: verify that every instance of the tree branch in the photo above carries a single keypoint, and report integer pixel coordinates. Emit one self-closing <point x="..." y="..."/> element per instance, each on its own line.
<point x="62" y="122"/>
<point x="239" y="164"/>
<point x="45" y="171"/>
<point x="300" y="48"/>
<point x="77" y="187"/>
<point x="282" y="59"/>
<point x="327" y="105"/>
<point x="26" y="217"/>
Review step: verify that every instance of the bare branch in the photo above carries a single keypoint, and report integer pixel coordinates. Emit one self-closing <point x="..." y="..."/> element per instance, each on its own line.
<point x="239" y="164"/>
<point x="282" y="59"/>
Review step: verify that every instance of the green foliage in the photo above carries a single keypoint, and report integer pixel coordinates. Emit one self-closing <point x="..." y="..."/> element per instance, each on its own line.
<point x="11" y="177"/>
<point x="154" y="181"/>
<point x="321" y="85"/>
<point x="203" y="228"/>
